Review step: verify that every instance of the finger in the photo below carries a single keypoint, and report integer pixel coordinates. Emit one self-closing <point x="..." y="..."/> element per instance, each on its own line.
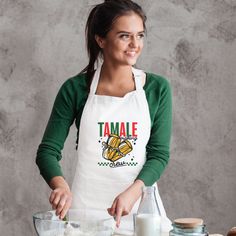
<point x="56" y="201"/>
<point x="52" y="196"/>
<point x="113" y="208"/>
<point x="61" y="205"/>
<point x="65" y="209"/>
<point x="109" y="211"/>
<point x="118" y="215"/>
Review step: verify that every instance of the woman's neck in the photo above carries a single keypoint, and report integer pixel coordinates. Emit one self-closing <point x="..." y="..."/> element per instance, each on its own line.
<point x="116" y="73"/>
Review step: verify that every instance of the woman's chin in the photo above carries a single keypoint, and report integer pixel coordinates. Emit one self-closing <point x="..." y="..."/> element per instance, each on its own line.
<point x="131" y="61"/>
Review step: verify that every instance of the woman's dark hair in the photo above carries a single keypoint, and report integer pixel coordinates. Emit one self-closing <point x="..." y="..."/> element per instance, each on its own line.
<point x="100" y="22"/>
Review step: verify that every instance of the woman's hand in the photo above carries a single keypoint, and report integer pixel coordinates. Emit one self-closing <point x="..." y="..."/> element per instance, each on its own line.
<point x="61" y="196"/>
<point x="124" y="202"/>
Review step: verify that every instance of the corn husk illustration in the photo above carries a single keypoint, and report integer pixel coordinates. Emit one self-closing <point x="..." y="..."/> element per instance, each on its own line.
<point x="111" y="146"/>
<point x="124" y="148"/>
<point x="114" y="149"/>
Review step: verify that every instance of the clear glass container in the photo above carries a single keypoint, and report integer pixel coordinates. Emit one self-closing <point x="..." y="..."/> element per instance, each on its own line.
<point x="188" y="227"/>
<point x="79" y="222"/>
<point x="148" y="218"/>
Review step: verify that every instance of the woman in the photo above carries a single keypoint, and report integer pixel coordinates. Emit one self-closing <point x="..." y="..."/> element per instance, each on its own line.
<point x="123" y="116"/>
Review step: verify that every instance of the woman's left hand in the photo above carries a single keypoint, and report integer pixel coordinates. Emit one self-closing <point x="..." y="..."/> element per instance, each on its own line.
<point x="124" y="202"/>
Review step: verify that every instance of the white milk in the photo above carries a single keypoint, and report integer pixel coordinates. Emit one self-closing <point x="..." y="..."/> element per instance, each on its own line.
<point x="148" y="225"/>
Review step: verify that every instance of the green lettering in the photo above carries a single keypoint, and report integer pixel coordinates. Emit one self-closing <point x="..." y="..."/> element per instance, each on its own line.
<point x="115" y="128"/>
<point x="100" y="127"/>
<point x="127" y="129"/>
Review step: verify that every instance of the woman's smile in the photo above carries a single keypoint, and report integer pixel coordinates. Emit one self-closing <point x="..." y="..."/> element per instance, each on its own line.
<point x="131" y="53"/>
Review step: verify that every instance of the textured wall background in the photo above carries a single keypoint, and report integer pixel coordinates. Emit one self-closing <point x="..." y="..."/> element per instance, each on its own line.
<point x="192" y="43"/>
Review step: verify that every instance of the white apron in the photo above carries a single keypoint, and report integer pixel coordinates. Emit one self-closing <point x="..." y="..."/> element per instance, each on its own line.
<point x="113" y="135"/>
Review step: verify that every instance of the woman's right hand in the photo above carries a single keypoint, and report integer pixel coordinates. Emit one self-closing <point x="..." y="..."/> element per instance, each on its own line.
<point x="61" y="196"/>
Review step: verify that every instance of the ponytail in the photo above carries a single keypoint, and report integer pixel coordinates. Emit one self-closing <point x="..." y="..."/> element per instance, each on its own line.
<point x="93" y="49"/>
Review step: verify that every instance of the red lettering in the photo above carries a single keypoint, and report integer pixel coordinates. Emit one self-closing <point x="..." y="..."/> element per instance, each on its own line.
<point x="122" y="129"/>
<point x="106" y="129"/>
<point x="134" y="129"/>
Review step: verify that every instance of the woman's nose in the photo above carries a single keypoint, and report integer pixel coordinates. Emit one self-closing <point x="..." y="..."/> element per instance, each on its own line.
<point x="134" y="42"/>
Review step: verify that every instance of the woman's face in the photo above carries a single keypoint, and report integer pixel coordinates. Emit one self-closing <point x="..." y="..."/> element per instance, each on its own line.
<point x="124" y="42"/>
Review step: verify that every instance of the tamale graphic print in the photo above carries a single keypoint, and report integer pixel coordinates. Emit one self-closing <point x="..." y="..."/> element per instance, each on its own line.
<point x="118" y="140"/>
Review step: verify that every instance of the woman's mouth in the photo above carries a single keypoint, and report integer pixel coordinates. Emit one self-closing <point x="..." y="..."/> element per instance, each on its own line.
<point x="131" y="53"/>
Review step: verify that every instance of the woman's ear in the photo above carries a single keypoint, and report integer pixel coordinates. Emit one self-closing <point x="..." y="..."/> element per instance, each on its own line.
<point x="100" y="41"/>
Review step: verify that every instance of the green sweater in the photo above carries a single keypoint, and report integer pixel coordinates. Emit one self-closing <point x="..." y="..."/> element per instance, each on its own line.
<point x="68" y="107"/>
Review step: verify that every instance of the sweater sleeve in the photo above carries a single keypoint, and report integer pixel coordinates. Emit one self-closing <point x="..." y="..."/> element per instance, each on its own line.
<point x="157" y="149"/>
<point x="61" y="118"/>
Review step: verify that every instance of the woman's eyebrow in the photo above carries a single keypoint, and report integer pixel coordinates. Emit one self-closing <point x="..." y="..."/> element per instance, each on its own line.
<point x="126" y="32"/>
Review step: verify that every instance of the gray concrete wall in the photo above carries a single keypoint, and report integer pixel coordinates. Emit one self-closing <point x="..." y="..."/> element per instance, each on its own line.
<point x="192" y="43"/>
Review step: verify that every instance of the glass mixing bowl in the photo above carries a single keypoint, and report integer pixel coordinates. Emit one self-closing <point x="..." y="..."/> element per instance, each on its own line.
<point x="79" y="222"/>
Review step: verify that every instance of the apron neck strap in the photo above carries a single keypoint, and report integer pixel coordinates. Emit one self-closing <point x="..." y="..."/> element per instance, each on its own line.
<point x="137" y="79"/>
<point x="94" y="84"/>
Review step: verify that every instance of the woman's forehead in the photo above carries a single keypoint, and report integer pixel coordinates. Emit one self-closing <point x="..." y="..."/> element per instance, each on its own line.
<point x="128" y="23"/>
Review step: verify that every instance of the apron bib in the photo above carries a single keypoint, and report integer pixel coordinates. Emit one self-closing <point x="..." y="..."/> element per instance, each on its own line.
<point x="113" y="135"/>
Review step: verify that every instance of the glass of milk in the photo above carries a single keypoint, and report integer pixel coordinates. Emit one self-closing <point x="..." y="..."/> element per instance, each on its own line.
<point x="148" y="218"/>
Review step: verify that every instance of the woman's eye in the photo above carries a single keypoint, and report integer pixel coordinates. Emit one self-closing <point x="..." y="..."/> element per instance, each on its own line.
<point x="127" y="36"/>
<point x="124" y="36"/>
<point x="140" y="36"/>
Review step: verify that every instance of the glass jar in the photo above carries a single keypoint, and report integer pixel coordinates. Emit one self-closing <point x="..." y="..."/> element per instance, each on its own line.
<point x="188" y="227"/>
<point x="148" y="219"/>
